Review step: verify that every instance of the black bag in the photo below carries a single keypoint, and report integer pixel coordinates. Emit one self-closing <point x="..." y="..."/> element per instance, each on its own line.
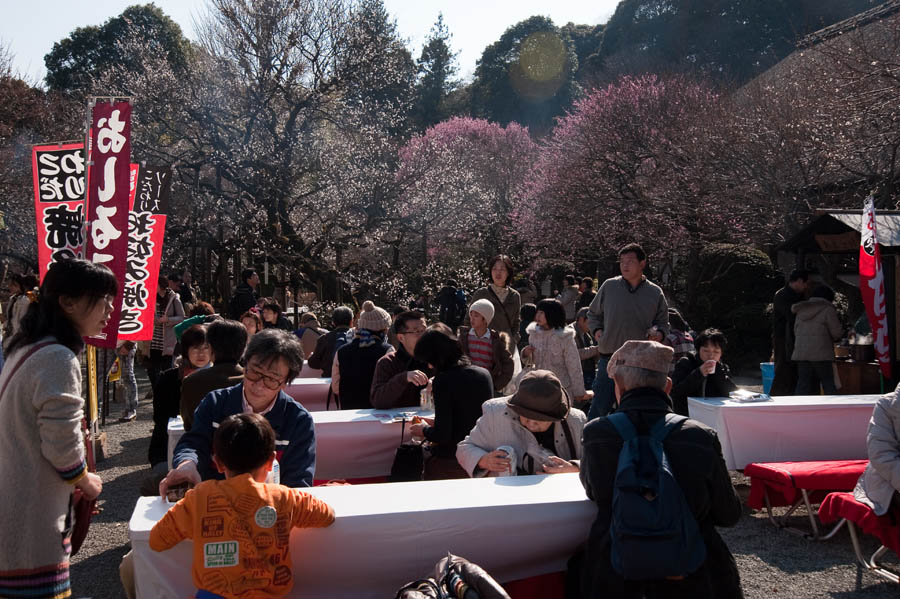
<point x="409" y="461"/>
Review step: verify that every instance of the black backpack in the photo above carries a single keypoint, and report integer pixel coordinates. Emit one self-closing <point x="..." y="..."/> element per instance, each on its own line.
<point x="653" y="533"/>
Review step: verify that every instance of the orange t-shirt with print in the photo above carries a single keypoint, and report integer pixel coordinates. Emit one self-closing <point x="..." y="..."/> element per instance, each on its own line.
<point x="241" y="531"/>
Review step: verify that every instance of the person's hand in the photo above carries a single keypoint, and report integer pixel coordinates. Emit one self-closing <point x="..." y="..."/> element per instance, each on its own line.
<point x="597" y="334"/>
<point x="418" y="429"/>
<point x="495" y="461"/>
<point x="587" y="396"/>
<point x="527" y="351"/>
<point x="557" y="465"/>
<point x="708" y="367"/>
<point x="90" y="485"/>
<point x="654" y="334"/>
<point x="417" y="378"/>
<point x="186" y="472"/>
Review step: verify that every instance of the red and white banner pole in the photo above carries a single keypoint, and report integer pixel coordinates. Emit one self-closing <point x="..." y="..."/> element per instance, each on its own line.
<point x="871" y="286"/>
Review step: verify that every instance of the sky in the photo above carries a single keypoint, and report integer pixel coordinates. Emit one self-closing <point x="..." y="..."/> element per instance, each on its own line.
<point x="29" y="29"/>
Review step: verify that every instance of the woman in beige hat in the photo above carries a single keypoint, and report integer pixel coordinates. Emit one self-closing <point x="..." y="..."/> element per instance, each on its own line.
<point x="354" y="363"/>
<point x="537" y="423"/>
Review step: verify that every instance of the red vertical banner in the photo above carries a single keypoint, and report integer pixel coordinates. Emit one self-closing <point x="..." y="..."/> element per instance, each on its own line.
<point x="871" y="286"/>
<point x="146" y="230"/>
<point x="59" y="173"/>
<point x="107" y="198"/>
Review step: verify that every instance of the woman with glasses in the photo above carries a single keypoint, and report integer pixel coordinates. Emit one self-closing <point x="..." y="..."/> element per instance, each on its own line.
<point x="42" y="450"/>
<point x="167" y="394"/>
<point x="273" y="359"/>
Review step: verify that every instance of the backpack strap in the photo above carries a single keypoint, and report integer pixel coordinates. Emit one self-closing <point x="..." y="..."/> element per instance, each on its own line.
<point x="666" y="425"/>
<point x="27" y="355"/>
<point x="623" y="426"/>
<point x="569" y="441"/>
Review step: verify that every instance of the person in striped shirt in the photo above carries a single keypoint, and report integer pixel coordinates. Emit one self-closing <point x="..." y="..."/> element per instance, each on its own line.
<point x="485" y="346"/>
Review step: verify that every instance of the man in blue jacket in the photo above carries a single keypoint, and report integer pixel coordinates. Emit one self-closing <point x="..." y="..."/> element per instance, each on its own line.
<point x="274" y="358"/>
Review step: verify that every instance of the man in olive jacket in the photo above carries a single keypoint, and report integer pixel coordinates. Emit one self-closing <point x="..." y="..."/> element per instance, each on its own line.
<point x="640" y="372"/>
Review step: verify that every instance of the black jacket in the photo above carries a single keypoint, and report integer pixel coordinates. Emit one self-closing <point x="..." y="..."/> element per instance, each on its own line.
<point x="688" y="381"/>
<point x="696" y="459"/>
<point x="357" y="369"/>
<point x="243" y="299"/>
<point x="326" y="346"/>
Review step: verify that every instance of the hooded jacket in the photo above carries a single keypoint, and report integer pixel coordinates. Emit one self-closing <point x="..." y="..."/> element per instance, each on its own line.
<point x="877" y="485"/>
<point x="555" y="350"/>
<point x="816" y="329"/>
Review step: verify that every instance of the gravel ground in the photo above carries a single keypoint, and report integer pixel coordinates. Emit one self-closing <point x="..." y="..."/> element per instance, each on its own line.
<point x="771" y="562"/>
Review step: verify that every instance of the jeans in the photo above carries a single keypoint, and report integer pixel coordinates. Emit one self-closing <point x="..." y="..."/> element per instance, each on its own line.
<point x="810" y="374"/>
<point x="604" y="391"/>
<point x="129" y="383"/>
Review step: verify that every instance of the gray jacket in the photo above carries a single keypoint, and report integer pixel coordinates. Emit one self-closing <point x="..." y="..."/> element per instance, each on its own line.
<point x="816" y="329"/>
<point x="881" y="479"/>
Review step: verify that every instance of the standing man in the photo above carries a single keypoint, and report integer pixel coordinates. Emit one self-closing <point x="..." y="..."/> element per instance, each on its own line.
<point x="783" y="331"/>
<point x="245" y="296"/>
<point x="628" y="307"/>
<point x="640" y="370"/>
<point x="399" y="377"/>
<point x="586" y="287"/>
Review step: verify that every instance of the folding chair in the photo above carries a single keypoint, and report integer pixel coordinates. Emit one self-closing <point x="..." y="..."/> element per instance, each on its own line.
<point x="885" y="528"/>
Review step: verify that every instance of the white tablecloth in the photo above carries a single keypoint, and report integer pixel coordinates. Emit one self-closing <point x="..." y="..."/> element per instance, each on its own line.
<point x="311" y="393"/>
<point x="349" y="443"/>
<point x="388" y="534"/>
<point x="789" y="428"/>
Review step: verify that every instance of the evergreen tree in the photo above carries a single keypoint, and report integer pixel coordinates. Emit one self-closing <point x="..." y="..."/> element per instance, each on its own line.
<point x="437" y="68"/>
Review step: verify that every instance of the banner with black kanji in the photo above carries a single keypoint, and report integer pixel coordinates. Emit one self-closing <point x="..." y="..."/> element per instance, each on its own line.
<point x="146" y="231"/>
<point x="108" y="193"/>
<point x="59" y="173"/>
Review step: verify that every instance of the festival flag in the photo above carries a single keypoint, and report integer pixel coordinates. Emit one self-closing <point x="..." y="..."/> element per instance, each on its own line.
<point x="58" y="171"/>
<point x="871" y="285"/>
<point x="146" y="230"/>
<point x="109" y="157"/>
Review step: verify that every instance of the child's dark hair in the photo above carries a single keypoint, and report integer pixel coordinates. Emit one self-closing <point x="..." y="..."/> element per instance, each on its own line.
<point x="553" y="312"/>
<point x="244" y="442"/>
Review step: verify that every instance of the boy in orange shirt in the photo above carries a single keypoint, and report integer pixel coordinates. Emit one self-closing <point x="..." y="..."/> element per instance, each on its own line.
<point x="241" y="526"/>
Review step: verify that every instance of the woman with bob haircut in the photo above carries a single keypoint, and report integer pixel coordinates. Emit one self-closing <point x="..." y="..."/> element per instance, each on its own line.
<point x="459" y="390"/>
<point x="42" y="450"/>
<point x="507" y="301"/>
<point x="702" y="373"/>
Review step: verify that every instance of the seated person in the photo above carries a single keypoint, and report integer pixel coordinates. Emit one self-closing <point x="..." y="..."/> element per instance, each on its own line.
<point x="588" y="350"/>
<point x="879" y="486"/>
<point x="399" y="376"/>
<point x="309" y="332"/>
<point x="227" y="339"/>
<point x="200" y="313"/>
<point x="485" y="346"/>
<point x="327" y="345"/>
<point x="273" y="317"/>
<point x="702" y="373"/>
<point x="459" y="390"/>
<point x="354" y="364"/>
<point x="274" y="358"/>
<point x="243" y="450"/>
<point x="536" y="422"/>
<point x="639" y="370"/>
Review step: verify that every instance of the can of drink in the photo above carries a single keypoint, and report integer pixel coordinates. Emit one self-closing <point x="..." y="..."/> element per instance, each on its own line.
<point x="426" y="400"/>
<point x="511" y="454"/>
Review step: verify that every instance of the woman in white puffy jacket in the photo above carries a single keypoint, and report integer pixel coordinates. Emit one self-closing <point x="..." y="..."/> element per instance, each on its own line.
<point x="879" y="485"/>
<point x="551" y="345"/>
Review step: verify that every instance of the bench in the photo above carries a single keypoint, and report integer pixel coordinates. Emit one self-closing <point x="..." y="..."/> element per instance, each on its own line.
<point x="800" y="483"/>
<point x="845" y="508"/>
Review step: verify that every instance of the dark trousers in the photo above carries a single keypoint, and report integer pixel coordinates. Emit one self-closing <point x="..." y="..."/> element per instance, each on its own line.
<point x="156" y="364"/>
<point x="785" y="381"/>
<point x="811" y="374"/>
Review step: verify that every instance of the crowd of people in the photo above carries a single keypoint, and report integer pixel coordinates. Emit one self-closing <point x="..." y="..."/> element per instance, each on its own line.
<point x="554" y="385"/>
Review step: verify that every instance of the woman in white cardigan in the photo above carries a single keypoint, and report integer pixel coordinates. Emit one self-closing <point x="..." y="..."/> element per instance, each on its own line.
<point x="536" y="422"/>
<point x="879" y="486"/>
<point x="42" y="453"/>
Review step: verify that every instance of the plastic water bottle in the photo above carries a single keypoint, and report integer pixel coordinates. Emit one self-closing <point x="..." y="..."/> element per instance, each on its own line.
<point x="274" y="475"/>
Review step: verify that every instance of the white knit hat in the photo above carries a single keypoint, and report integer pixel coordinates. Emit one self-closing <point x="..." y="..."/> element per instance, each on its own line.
<point x="485" y="308"/>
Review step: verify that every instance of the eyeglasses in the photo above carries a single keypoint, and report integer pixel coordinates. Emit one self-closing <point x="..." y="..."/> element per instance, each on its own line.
<point x="253" y="375"/>
<point x="417" y="332"/>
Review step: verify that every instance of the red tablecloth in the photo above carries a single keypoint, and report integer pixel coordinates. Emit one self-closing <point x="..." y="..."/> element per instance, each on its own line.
<point x="843" y="505"/>
<point x="785" y="479"/>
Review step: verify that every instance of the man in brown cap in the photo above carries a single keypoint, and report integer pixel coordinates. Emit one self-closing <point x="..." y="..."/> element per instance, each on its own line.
<point x="640" y="370"/>
<point x="537" y="423"/>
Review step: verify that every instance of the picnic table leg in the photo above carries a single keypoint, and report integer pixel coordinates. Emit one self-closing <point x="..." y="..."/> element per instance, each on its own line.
<point x="872" y="563"/>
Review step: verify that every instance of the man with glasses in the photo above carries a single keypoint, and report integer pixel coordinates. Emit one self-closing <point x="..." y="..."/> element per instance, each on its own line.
<point x="398" y="376"/>
<point x="626" y="308"/>
<point x="273" y="359"/>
